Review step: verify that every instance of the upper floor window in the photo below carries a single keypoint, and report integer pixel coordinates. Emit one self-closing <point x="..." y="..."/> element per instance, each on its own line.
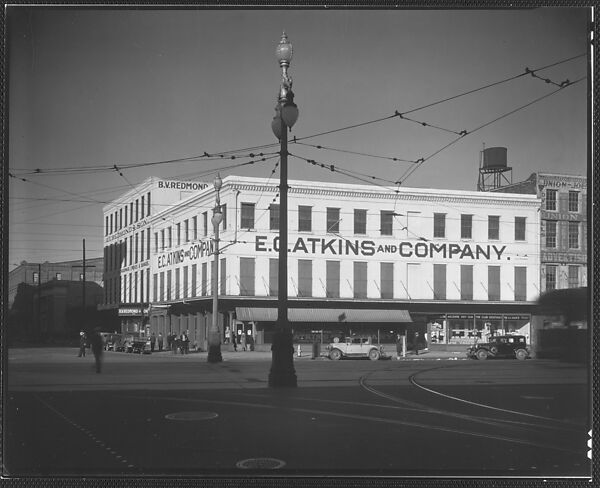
<point x="304" y="218"/>
<point x="387" y="222"/>
<point x="573" y="278"/>
<point x="551" y="277"/>
<point x="143" y="206"/>
<point x="573" y="235"/>
<point x="195" y="227"/>
<point x="186" y="230"/>
<point x="551" y="233"/>
<point x="466" y="226"/>
<point x="170" y="236"/>
<point x="224" y="213"/>
<point x="178" y="233"/>
<point x="137" y="210"/>
<point x="205" y="223"/>
<point x="573" y="201"/>
<point x="439" y="225"/>
<point x="360" y="221"/>
<point x="493" y="227"/>
<point x="274" y="216"/>
<point x="333" y="219"/>
<point x="551" y="199"/>
<point x="519" y="228"/>
<point x="247" y="220"/>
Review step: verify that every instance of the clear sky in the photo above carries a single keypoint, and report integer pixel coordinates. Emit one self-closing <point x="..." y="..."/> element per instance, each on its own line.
<point x="92" y="88"/>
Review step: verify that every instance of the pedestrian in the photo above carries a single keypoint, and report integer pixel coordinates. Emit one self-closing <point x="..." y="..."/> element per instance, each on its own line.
<point x="416" y="343"/>
<point x="227" y="334"/>
<point x="170" y="341"/>
<point x="160" y="342"/>
<point x="185" y="343"/>
<point x="243" y="340"/>
<point x="398" y="345"/>
<point x="152" y="342"/>
<point x="234" y="341"/>
<point x="82" y="344"/>
<point x="97" y="348"/>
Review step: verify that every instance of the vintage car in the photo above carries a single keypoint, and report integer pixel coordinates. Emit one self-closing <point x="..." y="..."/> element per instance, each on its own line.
<point x="141" y="346"/>
<point x="355" y="347"/>
<point x="505" y="346"/>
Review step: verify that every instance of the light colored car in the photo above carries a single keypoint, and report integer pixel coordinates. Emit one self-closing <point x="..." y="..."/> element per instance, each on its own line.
<point x="355" y="347"/>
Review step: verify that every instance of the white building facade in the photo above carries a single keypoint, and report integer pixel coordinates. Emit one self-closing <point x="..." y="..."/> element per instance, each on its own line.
<point x="451" y="265"/>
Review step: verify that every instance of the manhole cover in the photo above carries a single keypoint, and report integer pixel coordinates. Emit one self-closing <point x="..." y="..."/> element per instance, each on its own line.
<point x="192" y="416"/>
<point x="260" y="463"/>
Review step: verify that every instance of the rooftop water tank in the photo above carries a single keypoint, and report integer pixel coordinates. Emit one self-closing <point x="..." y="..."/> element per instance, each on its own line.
<point x="494" y="158"/>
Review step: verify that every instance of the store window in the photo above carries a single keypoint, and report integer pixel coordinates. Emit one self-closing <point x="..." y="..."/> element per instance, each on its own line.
<point x="360" y="279"/>
<point x="304" y="278"/>
<point x="439" y="225"/>
<point x="573" y="235"/>
<point x="520" y="283"/>
<point x="486" y="326"/>
<point x="493" y="282"/>
<point x="274" y="216"/>
<point x="247" y="217"/>
<point x="551" y="199"/>
<point x="386" y="222"/>
<point x="360" y="221"/>
<point x="332" y="279"/>
<point x="333" y="219"/>
<point x="247" y="276"/>
<point x="466" y="282"/>
<point x="461" y="328"/>
<point x="387" y="280"/>
<point x="551" y="277"/>
<point x="573" y="278"/>
<point x="204" y="279"/>
<point x="223" y="277"/>
<point x="194" y="288"/>
<point x="466" y="226"/>
<point x="439" y="281"/>
<point x="304" y="218"/>
<point x="519" y="228"/>
<point x="551" y="233"/>
<point x="273" y="277"/>
<point x="573" y="201"/>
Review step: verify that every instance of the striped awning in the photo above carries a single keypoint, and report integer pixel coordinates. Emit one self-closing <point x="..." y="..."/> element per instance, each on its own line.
<point x="263" y="314"/>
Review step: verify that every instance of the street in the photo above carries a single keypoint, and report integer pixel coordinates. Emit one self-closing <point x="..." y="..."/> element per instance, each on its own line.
<point x="179" y="415"/>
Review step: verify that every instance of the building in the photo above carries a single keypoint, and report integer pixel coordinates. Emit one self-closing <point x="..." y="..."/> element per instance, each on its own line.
<point x="451" y="265"/>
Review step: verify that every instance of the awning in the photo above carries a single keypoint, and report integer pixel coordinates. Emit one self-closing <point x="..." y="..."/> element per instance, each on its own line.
<point x="262" y="314"/>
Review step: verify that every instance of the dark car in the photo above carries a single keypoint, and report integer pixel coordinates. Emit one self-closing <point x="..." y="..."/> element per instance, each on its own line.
<point x="506" y="346"/>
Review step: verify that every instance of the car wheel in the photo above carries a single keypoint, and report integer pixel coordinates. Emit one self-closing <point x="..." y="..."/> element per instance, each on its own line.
<point x="521" y="354"/>
<point x="335" y="354"/>
<point x="482" y="354"/>
<point x="374" y="354"/>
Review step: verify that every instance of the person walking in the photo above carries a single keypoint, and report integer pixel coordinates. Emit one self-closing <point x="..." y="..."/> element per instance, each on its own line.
<point x="243" y="340"/>
<point x="82" y="344"/>
<point x="152" y="342"/>
<point x="160" y="342"/>
<point x="185" y="343"/>
<point x="97" y="348"/>
<point x="416" y="343"/>
<point x="398" y="346"/>
<point x="170" y="341"/>
<point x="234" y="341"/>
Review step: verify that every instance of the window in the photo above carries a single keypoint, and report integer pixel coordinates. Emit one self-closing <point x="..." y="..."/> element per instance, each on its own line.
<point x="387" y="280"/>
<point x="169" y="285"/>
<point x="551" y="277"/>
<point x="274" y="216"/>
<point x="137" y="249"/>
<point x="551" y="233"/>
<point x="247" y="216"/>
<point x="106" y="225"/>
<point x="304" y="218"/>
<point x="551" y="199"/>
<point x="386" y="222"/>
<point x="148" y="243"/>
<point x="162" y="239"/>
<point x="185" y="282"/>
<point x="120" y="218"/>
<point x="162" y="286"/>
<point x="466" y="282"/>
<point x="142" y="246"/>
<point x="125" y="252"/>
<point x="360" y="221"/>
<point x="493" y="282"/>
<point x="247" y="274"/>
<point x="304" y="277"/>
<point x="439" y="225"/>
<point x="155" y="287"/>
<point x="148" y="204"/>
<point x="333" y="219"/>
<point x="186" y="230"/>
<point x="195" y="227"/>
<point x="223" y="277"/>
<point x="204" y="279"/>
<point x="332" y="279"/>
<point x="273" y="276"/>
<point x="573" y="201"/>
<point x="519" y="228"/>
<point x="573" y="276"/>
<point x="493" y="227"/>
<point x="178" y="236"/>
<point x="360" y="280"/>
<point x="194" y="289"/>
<point x="439" y="281"/>
<point x="143" y="207"/>
<point x="36" y="278"/>
<point x="573" y="235"/>
<point x="111" y="224"/>
<point x="224" y="213"/>
<point x="131" y="249"/>
<point x="205" y="223"/>
<point x="137" y="210"/>
<point x="170" y="237"/>
<point x="520" y="283"/>
<point x="466" y="226"/>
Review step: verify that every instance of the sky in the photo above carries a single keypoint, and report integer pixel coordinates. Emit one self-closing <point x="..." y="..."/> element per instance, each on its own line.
<point x="93" y="88"/>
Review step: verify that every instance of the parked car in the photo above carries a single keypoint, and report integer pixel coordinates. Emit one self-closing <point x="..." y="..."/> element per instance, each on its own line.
<point x="141" y="346"/>
<point x="356" y="347"/>
<point x="505" y="346"/>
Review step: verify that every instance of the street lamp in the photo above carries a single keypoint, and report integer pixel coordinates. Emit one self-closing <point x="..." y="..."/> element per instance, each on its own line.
<point x="282" y="372"/>
<point x="214" y="336"/>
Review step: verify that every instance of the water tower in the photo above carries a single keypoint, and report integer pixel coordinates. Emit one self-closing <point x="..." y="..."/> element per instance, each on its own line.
<point x="493" y="171"/>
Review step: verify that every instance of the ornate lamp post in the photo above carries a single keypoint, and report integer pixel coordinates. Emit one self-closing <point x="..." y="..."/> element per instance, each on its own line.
<point x="214" y="336"/>
<point x="282" y="372"/>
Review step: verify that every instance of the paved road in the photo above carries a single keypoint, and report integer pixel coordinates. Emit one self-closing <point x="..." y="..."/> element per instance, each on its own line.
<point x="179" y="415"/>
